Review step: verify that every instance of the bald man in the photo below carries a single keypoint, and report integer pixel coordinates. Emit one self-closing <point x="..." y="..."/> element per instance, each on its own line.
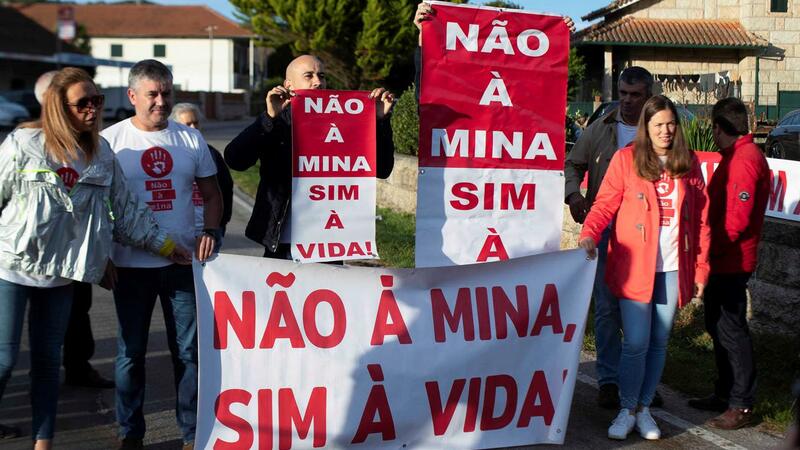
<point x="42" y="83"/>
<point x="269" y="140"/>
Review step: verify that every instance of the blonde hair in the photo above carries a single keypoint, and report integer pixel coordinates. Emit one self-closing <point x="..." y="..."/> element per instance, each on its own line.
<point x="62" y="141"/>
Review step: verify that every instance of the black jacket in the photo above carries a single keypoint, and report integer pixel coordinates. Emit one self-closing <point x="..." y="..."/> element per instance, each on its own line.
<point x="225" y="186"/>
<point x="269" y="142"/>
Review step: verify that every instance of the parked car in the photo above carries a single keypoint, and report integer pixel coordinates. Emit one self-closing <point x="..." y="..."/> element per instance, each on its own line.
<point x="605" y="107"/>
<point x="783" y="142"/>
<point x="572" y="131"/>
<point x="116" y="106"/>
<point x="12" y="113"/>
<point x="26" y="99"/>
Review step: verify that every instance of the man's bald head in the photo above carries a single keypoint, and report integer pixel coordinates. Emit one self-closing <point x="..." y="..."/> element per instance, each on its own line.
<point x="42" y="83"/>
<point x="305" y="72"/>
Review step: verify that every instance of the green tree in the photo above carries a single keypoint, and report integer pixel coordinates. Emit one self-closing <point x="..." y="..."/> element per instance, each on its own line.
<point x="405" y="123"/>
<point x="503" y="4"/>
<point x="383" y="41"/>
<point x="82" y="39"/>
<point x="359" y="40"/>
<point x="576" y="71"/>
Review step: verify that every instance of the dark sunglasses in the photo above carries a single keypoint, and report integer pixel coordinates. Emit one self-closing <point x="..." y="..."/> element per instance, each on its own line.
<point x="83" y="105"/>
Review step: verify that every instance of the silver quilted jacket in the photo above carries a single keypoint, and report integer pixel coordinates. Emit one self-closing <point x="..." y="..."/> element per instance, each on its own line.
<point x="46" y="229"/>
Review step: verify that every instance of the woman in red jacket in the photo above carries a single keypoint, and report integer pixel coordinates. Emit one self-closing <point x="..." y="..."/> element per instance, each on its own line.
<point x="658" y="254"/>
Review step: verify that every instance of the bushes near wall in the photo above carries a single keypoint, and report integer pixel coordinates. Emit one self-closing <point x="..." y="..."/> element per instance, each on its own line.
<point x="698" y="135"/>
<point x="405" y="123"/>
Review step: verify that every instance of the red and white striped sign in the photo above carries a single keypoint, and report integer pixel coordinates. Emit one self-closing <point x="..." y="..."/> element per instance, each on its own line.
<point x="491" y="151"/>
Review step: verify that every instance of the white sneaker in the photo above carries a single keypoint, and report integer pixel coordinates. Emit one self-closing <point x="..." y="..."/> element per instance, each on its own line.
<point x="646" y="425"/>
<point x="622" y="425"/>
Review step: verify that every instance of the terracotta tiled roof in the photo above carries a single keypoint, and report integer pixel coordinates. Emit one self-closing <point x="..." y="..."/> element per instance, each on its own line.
<point x="145" y="20"/>
<point x="671" y="33"/>
<point x="613" y="6"/>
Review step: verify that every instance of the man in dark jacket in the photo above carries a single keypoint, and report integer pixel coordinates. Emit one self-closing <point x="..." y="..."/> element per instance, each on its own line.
<point x="592" y="153"/>
<point x="269" y="141"/>
<point x="738" y="193"/>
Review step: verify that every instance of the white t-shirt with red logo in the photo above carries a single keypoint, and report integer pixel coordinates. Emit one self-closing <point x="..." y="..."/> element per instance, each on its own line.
<point x="669" y="233"/>
<point x="161" y="167"/>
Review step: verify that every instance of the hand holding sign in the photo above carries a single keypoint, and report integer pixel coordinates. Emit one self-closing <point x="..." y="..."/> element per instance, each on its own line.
<point x="590" y="247"/>
<point x="384" y="100"/>
<point x="333" y="187"/>
<point x="278" y="98"/>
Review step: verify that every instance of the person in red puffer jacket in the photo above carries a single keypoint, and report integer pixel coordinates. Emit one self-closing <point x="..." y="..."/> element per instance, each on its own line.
<point x="658" y="251"/>
<point x="738" y="193"/>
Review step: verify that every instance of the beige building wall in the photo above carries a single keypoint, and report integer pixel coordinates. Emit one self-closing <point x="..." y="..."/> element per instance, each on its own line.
<point x="677" y="9"/>
<point x="782" y="30"/>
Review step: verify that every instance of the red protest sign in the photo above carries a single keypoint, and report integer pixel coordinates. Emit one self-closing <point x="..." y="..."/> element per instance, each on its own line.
<point x="333" y="134"/>
<point x="491" y="143"/>
<point x="493" y="89"/>
<point x="333" y="190"/>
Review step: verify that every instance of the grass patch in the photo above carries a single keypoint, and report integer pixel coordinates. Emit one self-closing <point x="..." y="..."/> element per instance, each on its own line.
<point x="247" y="181"/>
<point x="690" y="367"/>
<point x="395" y="235"/>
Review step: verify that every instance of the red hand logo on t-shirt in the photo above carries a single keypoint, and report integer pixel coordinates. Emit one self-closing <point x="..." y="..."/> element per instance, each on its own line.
<point x="157" y="162"/>
<point x="665" y="185"/>
<point x="68" y="175"/>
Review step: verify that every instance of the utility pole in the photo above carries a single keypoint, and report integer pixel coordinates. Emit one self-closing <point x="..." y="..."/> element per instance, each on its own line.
<point x="210" y="30"/>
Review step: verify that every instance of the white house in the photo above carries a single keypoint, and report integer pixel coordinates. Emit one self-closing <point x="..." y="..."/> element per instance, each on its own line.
<point x="205" y="50"/>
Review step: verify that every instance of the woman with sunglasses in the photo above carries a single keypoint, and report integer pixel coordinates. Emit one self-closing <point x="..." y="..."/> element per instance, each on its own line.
<point x="63" y="198"/>
<point x="658" y="252"/>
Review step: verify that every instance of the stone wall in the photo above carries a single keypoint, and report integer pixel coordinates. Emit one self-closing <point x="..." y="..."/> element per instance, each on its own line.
<point x="399" y="191"/>
<point x="774" y="288"/>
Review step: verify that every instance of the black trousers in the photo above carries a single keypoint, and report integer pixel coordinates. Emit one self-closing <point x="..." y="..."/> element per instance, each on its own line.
<point x="79" y="342"/>
<point x="726" y="321"/>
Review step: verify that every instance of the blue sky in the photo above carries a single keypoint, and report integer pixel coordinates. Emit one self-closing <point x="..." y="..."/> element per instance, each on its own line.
<point x="572" y="8"/>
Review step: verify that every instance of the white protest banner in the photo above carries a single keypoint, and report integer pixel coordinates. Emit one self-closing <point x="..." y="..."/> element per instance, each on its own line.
<point x="317" y="356"/>
<point x="491" y="136"/>
<point x="784" y="196"/>
<point x="333" y="169"/>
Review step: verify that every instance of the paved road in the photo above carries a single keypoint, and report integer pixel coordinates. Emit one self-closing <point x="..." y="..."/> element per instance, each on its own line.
<point x="86" y="416"/>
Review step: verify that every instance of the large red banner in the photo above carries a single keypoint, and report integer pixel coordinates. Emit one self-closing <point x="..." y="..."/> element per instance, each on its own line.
<point x="491" y="147"/>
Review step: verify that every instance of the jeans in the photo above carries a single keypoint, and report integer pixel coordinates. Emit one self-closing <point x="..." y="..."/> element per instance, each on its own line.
<point x="726" y="322"/>
<point x="135" y="296"/>
<point x="646" y="327"/>
<point x="607" y="321"/>
<point x="47" y="322"/>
